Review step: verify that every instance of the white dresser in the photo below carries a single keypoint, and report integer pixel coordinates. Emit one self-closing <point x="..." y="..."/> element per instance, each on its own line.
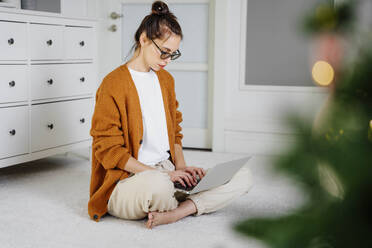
<point x="48" y="80"/>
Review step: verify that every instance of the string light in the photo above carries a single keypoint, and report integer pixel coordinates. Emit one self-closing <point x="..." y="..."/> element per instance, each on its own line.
<point x="323" y="73"/>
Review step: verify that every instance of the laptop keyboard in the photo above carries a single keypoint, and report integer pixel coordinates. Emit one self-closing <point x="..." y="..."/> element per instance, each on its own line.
<point x="178" y="185"/>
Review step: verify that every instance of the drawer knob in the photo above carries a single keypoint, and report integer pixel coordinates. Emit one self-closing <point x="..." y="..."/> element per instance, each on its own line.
<point x="11" y="41"/>
<point x="82" y="120"/>
<point x="82" y="43"/>
<point x="49" y="42"/>
<point x="50" y="126"/>
<point x="50" y="81"/>
<point x="82" y="79"/>
<point x="12" y="83"/>
<point x="12" y="132"/>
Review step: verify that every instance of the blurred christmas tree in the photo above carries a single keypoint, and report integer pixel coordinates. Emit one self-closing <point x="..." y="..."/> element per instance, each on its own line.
<point x="332" y="159"/>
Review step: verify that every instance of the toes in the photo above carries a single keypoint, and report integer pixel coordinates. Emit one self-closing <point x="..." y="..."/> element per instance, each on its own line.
<point x="150" y="219"/>
<point x="149" y="224"/>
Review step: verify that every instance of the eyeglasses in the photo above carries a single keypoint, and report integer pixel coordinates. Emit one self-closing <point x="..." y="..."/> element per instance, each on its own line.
<point x="165" y="55"/>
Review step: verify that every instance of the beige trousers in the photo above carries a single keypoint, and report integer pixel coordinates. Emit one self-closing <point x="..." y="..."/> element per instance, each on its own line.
<point x="152" y="190"/>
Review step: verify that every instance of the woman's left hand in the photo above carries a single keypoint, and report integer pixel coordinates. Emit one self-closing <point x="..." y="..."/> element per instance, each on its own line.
<point x="195" y="170"/>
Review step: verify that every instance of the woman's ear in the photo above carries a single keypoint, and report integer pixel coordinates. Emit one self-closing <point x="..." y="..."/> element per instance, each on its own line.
<point x="143" y="39"/>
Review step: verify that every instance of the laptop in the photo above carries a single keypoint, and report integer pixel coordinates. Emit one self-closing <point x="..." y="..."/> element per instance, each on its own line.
<point x="215" y="176"/>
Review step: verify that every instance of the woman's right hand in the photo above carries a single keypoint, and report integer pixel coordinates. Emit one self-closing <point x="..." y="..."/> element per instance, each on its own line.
<point x="181" y="176"/>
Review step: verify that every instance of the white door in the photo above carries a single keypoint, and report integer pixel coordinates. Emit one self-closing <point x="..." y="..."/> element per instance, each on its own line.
<point x="192" y="71"/>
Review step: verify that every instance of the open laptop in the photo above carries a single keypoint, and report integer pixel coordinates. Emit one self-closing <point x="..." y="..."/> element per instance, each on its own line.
<point x="215" y="176"/>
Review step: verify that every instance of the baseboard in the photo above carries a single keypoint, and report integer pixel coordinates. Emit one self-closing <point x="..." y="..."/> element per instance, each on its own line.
<point x="256" y="143"/>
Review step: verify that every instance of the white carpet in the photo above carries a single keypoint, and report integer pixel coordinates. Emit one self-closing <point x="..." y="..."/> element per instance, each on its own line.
<point x="44" y="204"/>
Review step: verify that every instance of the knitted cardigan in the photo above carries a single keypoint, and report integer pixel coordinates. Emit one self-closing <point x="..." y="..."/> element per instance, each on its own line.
<point x="117" y="131"/>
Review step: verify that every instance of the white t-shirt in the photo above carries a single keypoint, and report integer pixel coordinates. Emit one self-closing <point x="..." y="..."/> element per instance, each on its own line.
<point x="155" y="142"/>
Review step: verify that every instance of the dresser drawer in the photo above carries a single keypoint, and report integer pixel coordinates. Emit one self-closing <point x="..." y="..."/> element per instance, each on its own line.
<point x="13" y="41"/>
<point x="78" y="43"/>
<point x="46" y="41"/>
<point x="60" y="123"/>
<point x="13" y="83"/>
<point x="14" y="134"/>
<point x="49" y="81"/>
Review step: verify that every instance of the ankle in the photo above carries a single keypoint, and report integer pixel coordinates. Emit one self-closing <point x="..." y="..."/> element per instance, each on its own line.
<point x="174" y="215"/>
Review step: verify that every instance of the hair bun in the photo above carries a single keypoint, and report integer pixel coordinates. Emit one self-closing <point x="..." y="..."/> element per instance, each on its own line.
<point x="159" y="8"/>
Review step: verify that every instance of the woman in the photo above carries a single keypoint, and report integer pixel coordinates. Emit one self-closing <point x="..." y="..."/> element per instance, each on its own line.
<point x="137" y="144"/>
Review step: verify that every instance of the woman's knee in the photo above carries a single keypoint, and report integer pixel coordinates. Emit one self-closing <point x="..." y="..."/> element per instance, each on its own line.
<point x="159" y="192"/>
<point x="244" y="178"/>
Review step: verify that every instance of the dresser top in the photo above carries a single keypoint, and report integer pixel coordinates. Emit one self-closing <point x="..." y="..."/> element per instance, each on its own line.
<point x="43" y="13"/>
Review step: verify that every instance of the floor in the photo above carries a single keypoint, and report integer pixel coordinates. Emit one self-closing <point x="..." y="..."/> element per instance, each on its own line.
<point x="44" y="204"/>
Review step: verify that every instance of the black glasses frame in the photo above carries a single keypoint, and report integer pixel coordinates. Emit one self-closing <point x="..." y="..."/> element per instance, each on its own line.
<point x="165" y="55"/>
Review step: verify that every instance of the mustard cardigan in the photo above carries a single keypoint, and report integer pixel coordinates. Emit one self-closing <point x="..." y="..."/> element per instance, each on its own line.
<point x="117" y="131"/>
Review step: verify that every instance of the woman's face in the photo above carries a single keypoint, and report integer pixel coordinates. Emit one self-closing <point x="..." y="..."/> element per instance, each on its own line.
<point x="152" y="54"/>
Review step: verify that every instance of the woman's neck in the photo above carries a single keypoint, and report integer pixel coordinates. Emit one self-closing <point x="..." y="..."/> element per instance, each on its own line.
<point x="137" y="63"/>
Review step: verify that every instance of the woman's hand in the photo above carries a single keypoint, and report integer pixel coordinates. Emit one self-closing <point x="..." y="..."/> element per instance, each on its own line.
<point x="180" y="176"/>
<point x="195" y="170"/>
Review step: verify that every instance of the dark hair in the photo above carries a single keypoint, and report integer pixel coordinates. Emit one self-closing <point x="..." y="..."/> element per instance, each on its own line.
<point x="160" y="22"/>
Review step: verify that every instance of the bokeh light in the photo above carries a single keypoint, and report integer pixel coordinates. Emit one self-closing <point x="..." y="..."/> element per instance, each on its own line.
<point x="323" y="73"/>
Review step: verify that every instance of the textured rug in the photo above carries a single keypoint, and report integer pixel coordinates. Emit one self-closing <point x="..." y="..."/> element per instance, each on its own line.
<point x="44" y="204"/>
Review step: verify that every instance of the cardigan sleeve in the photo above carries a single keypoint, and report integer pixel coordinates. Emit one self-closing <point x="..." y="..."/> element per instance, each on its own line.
<point x="108" y="140"/>
<point x="178" y="135"/>
<point x="178" y="129"/>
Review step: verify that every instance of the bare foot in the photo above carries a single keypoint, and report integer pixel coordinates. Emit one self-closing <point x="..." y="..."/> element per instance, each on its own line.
<point x="159" y="218"/>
